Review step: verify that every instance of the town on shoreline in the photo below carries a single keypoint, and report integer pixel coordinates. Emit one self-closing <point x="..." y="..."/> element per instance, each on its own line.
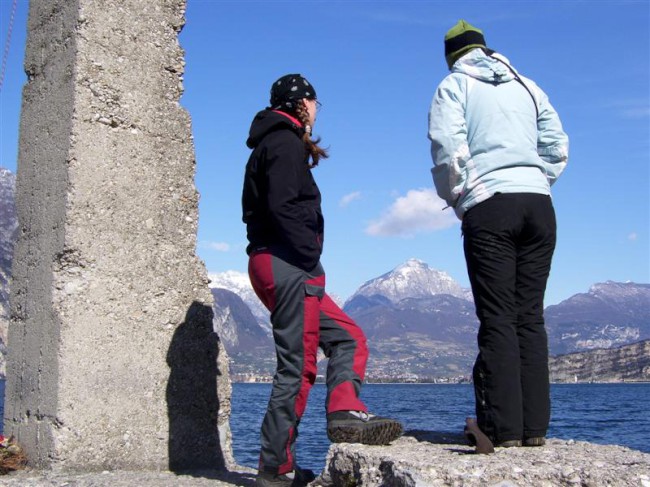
<point x="266" y="379"/>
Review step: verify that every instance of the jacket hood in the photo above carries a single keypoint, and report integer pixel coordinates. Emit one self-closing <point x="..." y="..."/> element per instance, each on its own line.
<point x="268" y="121"/>
<point x="491" y="69"/>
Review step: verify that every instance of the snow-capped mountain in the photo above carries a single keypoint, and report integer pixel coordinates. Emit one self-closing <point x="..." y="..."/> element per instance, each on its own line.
<point x="234" y="322"/>
<point x="239" y="283"/>
<point x="8" y="229"/>
<point x="611" y="314"/>
<point x="249" y="346"/>
<point x="435" y="334"/>
<point x="414" y="279"/>
<point x="418" y="321"/>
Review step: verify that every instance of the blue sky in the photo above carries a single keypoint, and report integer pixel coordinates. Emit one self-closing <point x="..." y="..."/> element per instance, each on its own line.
<point x="375" y="66"/>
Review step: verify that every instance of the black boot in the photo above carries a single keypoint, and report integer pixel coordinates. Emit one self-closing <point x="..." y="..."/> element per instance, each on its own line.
<point x="361" y="427"/>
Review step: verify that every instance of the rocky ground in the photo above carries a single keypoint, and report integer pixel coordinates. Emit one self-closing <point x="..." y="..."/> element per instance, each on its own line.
<point x="126" y="479"/>
<point x="432" y="459"/>
<point x="422" y="459"/>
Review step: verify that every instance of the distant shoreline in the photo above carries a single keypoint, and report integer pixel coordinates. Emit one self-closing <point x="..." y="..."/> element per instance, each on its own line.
<point x="440" y="383"/>
<point x="460" y="383"/>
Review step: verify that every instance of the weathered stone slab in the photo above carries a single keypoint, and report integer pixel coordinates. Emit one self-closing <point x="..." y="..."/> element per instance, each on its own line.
<point x="435" y="460"/>
<point x="113" y="363"/>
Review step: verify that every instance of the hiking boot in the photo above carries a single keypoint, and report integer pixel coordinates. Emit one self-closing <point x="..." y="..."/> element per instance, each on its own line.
<point x="298" y="478"/>
<point x="361" y="427"/>
<point x="535" y="441"/>
<point x="508" y="443"/>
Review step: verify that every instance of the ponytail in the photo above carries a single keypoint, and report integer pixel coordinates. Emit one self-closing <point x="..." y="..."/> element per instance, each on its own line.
<point x="315" y="151"/>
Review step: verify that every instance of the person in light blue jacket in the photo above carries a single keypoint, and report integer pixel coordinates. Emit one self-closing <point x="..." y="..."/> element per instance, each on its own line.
<point x="497" y="146"/>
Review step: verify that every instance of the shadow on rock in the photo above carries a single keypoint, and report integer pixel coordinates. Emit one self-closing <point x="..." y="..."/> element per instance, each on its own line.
<point x="241" y="479"/>
<point x="192" y="399"/>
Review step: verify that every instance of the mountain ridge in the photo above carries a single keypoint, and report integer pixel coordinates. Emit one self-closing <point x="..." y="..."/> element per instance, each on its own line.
<point x="412" y="279"/>
<point x="415" y="332"/>
<point x="621" y="364"/>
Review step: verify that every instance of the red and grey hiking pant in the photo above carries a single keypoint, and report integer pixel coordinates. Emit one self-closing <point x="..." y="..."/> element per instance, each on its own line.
<point x="304" y="317"/>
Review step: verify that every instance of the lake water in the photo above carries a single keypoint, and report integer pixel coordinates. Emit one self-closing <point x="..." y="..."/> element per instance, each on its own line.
<point x="600" y="413"/>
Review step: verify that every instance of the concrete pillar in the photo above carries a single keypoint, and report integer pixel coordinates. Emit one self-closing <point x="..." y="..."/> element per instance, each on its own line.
<point x="113" y="363"/>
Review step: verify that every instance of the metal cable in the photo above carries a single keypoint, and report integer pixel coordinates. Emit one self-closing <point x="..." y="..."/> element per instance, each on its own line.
<point x="7" y="43"/>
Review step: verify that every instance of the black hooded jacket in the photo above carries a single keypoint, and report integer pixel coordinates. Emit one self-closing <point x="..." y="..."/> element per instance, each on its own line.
<point x="281" y="202"/>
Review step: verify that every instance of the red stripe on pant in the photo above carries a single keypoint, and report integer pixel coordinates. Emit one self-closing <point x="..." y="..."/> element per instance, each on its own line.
<point x="331" y="309"/>
<point x="343" y="332"/>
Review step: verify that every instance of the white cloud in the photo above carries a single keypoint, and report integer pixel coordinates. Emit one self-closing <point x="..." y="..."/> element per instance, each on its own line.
<point x="632" y="236"/>
<point x="420" y="211"/>
<point x="630" y="108"/>
<point x="636" y="112"/>
<point x="218" y="246"/>
<point x="349" y="198"/>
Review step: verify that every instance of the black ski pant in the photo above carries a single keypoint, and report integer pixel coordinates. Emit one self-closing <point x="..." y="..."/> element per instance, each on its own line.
<point x="509" y="241"/>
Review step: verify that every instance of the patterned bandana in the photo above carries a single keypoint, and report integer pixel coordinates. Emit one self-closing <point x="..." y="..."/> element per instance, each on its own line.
<point x="289" y="89"/>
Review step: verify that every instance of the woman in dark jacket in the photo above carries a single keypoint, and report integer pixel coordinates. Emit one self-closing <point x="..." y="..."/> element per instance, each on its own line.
<point x="282" y="211"/>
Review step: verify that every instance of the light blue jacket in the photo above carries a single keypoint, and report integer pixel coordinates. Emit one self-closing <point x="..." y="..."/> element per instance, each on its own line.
<point x="489" y="134"/>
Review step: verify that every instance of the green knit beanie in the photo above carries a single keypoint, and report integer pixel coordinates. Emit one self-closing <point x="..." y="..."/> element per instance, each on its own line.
<point x="460" y="39"/>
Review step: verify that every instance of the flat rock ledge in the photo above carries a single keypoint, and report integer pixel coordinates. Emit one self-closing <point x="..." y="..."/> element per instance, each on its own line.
<point x="418" y="459"/>
<point x="426" y="459"/>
